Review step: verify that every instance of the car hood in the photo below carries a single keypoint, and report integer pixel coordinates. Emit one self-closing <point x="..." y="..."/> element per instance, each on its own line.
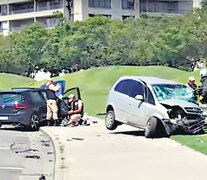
<point x="176" y="102"/>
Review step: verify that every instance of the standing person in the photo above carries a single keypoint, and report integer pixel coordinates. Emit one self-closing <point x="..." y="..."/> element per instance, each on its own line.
<point x="76" y="111"/>
<point x="203" y="92"/>
<point x="52" y="108"/>
<point x="191" y="82"/>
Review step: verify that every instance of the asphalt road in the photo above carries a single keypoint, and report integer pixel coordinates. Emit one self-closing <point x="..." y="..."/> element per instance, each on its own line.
<point x="94" y="153"/>
<point x="25" y="155"/>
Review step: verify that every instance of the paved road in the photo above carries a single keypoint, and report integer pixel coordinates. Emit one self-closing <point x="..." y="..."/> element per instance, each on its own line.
<point x="25" y="155"/>
<point x="92" y="152"/>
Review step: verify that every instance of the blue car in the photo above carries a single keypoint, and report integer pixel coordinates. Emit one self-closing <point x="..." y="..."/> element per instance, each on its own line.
<point x="27" y="106"/>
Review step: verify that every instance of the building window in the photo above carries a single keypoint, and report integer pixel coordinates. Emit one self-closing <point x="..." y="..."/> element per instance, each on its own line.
<point x="21" y="8"/>
<point x="55" y="4"/>
<point x="49" y="5"/>
<point x="99" y="3"/>
<point x="41" y="5"/>
<point x="16" y="25"/>
<point x="159" y="6"/>
<point x="49" y="22"/>
<point x="3" y="10"/>
<point x="128" y="4"/>
<point x="105" y="15"/>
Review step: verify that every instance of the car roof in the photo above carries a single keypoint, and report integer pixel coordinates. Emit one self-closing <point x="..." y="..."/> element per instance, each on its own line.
<point x="150" y="79"/>
<point x="20" y="90"/>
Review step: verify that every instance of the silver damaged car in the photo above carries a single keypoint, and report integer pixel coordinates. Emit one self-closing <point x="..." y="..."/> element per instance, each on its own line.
<point x="158" y="106"/>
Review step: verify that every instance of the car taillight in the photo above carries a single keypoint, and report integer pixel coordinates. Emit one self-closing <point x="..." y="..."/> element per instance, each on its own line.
<point x="20" y="106"/>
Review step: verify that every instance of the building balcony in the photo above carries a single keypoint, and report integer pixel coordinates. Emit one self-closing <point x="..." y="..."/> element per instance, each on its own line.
<point x="20" y="11"/>
<point x="18" y="24"/>
<point x="3" y="14"/>
<point x="49" y="22"/>
<point x="44" y="8"/>
<point x="172" y="11"/>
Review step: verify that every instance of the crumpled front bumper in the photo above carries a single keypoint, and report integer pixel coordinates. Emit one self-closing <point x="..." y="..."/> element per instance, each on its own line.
<point x="187" y="125"/>
<point x="193" y="126"/>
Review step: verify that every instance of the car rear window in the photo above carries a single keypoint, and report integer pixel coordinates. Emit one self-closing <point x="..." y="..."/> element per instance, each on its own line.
<point x="10" y="97"/>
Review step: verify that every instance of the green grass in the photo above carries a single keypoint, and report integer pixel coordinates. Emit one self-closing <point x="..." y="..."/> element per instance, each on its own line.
<point x="196" y="142"/>
<point x="11" y="80"/>
<point x="95" y="84"/>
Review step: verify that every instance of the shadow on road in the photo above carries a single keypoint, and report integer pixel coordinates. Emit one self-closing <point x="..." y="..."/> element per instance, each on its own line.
<point x="12" y="128"/>
<point x="20" y="128"/>
<point x="130" y="133"/>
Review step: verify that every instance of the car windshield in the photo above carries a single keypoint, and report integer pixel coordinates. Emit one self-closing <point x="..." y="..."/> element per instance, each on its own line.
<point x="173" y="91"/>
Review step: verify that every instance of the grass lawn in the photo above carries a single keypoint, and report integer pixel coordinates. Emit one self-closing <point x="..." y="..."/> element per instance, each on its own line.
<point x="196" y="142"/>
<point x="95" y="84"/>
<point x="11" y="80"/>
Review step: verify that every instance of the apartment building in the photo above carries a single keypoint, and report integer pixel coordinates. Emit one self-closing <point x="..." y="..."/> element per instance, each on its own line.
<point x="16" y="13"/>
<point x="169" y="6"/>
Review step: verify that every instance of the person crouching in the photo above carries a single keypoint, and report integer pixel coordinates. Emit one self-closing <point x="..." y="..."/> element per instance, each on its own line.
<point x="75" y="113"/>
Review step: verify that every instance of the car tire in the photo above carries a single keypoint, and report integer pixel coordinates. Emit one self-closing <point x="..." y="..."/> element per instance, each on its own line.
<point x="110" y="121"/>
<point x="151" y="128"/>
<point x="34" y="122"/>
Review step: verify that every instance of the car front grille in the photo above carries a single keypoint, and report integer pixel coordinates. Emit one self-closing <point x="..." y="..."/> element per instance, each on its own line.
<point x="193" y="110"/>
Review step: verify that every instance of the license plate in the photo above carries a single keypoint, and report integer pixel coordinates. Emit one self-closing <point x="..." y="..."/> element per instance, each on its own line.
<point x="3" y="118"/>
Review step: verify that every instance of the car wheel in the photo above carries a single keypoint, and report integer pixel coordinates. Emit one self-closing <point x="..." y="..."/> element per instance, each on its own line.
<point x="34" y="122"/>
<point x="110" y="121"/>
<point x="151" y="128"/>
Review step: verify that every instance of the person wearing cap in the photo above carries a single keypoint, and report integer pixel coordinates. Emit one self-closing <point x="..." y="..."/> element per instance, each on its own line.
<point x="52" y="108"/>
<point x="76" y="111"/>
<point x="191" y="82"/>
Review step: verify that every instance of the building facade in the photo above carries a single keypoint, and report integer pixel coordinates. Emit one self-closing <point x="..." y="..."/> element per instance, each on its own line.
<point x="16" y="13"/>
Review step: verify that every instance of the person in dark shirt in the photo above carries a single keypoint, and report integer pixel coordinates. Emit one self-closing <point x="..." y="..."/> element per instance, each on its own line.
<point x="52" y="108"/>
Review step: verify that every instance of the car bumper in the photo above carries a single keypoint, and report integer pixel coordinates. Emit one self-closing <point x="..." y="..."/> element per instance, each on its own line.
<point x="186" y="125"/>
<point x="193" y="126"/>
<point x="19" y="119"/>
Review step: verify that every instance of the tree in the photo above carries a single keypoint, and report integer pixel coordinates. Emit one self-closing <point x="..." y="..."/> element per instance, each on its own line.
<point x="30" y="46"/>
<point x="7" y="53"/>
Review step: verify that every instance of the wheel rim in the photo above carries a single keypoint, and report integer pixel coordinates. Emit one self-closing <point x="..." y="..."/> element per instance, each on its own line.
<point x="34" y="121"/>
<point x="109" y="120"/>
<point x="148" y="126"/>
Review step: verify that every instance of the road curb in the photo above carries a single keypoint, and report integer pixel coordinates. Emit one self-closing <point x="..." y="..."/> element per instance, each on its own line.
<point x="57" y="172"/>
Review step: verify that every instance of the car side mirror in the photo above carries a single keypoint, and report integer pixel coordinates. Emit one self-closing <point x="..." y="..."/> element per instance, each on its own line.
<point x="139" y="97"/>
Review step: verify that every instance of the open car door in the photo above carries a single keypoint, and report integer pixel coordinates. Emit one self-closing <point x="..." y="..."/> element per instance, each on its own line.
<point x="74" y="91"/>
<point x="64" y="105"/>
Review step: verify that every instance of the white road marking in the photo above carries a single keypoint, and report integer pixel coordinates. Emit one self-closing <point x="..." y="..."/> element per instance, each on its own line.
<point x="10" y="168"/>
